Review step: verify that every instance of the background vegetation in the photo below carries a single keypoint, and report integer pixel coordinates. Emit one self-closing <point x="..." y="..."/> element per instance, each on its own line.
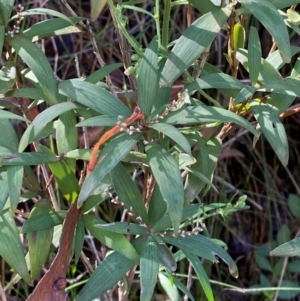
<point x="271" y="188"/>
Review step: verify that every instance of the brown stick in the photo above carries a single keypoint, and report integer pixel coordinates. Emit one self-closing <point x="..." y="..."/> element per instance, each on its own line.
<point x="51" y="286"/>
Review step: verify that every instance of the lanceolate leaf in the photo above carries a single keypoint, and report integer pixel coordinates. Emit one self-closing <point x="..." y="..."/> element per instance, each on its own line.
<point x="15" y="180"/>
<point x="8" y="137"/>
<point x="44" y="221"/>
<point x="205" y="113"/>
<point x="108" y="273"/>
<point x="109" y="157"/>
<point x="111" y="239"/>
<point x="207" y="159"/>
<point x="39" y="242"/>
<point x="8" y="115"/>
<point x="6" y="7"/>
<point x="268" y="15"/>
<point x="102" y="72"/>
<point x="290" y="248"/>
<point x="3" y="189"/>
<point x="149" y="269"/>
<point x="42" y="120"/>
<point x="93" y="97"/>
<point x="174" y="134"/>
<point x="36" y="60"/>
<point x="102" y="120"/>
<point x="192" y="43"/>
<point x="282" y="4"/>
<point x="201" y="274"/>
<point x="254" y="55"/>
<point x="168" y="177"/>
<point x="128" y="192"/>
<point x="157" y="206"/>
<point x="204" y="6"/>
<point x="148" y="78"/>
<point x="11" y="248"/>
<point x="51" y="27"/>
<point x="272" y="128"/>
<point x="203" y="247"/>
<point x="44" y="11"/>
<point x="124" y="228"/>
<point x="30" y="158"/>
<point x="2" y="34"/>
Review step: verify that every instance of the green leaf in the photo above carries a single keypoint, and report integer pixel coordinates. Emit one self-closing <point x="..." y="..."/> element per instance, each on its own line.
<point x="94" y="97"/>
<point x="79" y="238"/>
<point x="108" y="273"/>
<point x="2" y="34"/>
<point x="102" y="72"/>
<point x="254" y="55"/>
<point x="217" y="81"/>
<point x="8" y="115"/>
<point x="11" y="247"/>
<point x="207" y="159"/>
<point x="33" y="93"/>
<point x="103" y="120"/>
<point x="3" y="189"/>
<point x="64" y="176"/>
<point x="8" y="137"/>
<point x="39" y="242"/>
<point x="203" y="247"/>
<point x="7" y="76"/>
<point x="169" y="287"/>
<point x="15" y="180"/>
<point x="268" y="74"/>
<point x="124" y="228"/>
<point x="282" y="4"/>
<point x="128" y="192"/>
<point x="6" y="7"/>
<point x="290" y="248"/>
<point x="205" y="113"/>
<point x="183" y="288"/>
<point x="270" y="18"/>
<point x="148" y="78"/>
<point x="44" y="11"/>
<point x="192" y="43"/>
<point x="36" y="60"/>
<point x="30" y="158"/>
<point x="294" y="204"/>
<point x="168" y="177"/>
<point x="115" y="241"/>
<point x="66" y="135"/>
<point x="52" y="27"/>
<point x="149" y="265"/>
<point x="204" y="6"/>
<point x="272" y="128"/>
<point x="109" y="157"/>
<point x="44" y="221"/>
<point x="166" y="257"/>
<point x="174" y="134"/>
<point x="41" y="121"/>
<point x="157" y="207"/>
<point x="201" y="274"/>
